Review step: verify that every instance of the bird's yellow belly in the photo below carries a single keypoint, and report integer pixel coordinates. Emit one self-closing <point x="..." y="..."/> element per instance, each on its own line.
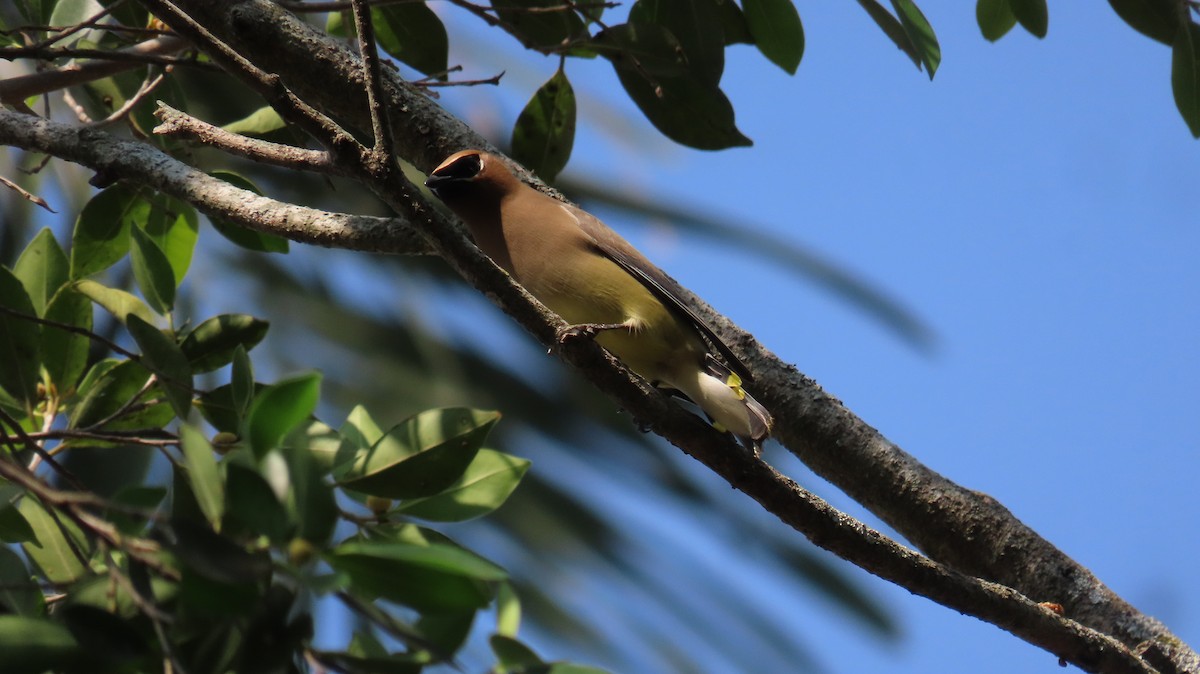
<point x="652" y="343"/>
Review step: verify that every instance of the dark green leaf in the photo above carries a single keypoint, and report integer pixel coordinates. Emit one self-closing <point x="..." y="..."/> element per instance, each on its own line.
<point x="258" y="123"/>
<point x="483" y="487"/>
<point x="215" y="557"/>
<point x="776" y="27"/>
<point x="145" y="499"/>
<point x="52" y="552"/>
<point x="434" y="577"/>
<point x="64" y="352"/>
<point x="445" y="632"/>
<point x="421" y="456"/>
<point x="572" y="668"/>
<point x="14" y="528"/>
<point x="280" y="408"/>
<point x="109" y="388"/>
<point x="513" y="654"/>
<point x="892" y="28"/>
<point x="42" y="269"/>
<point x="117" y="302"/>
<point x="414" y="35"/>
<point x="249" y="239"/>
<point x="101" y="235"/>
<point x="733" y="23"/>
<point x="212" y="344"/>
<point x="20" y="365"/>
<point x="680" y="105"/>
<point x="1157" y="19"/>
<point x="251" y="502"/>
<point x="920" y="34"/>
<point x="153" y="272"/>
<point x="33" y="646"/>
<point x="109" y="640"/>
<point x="399" y="663"/>
<point x="544" y="30"/>
<point x="1032" y="14"/>
<point x="694" y="25"/>
<point x="203" y="474"/>
<point x="545" y="130"/>
<point x="995" y="18"/>
<point x="162" y="356"/>
<point x="19" y="594"/>
<point x="1185" y="75"/>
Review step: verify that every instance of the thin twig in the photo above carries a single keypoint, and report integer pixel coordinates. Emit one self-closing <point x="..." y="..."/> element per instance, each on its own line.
<point x="148" y="86"/>
<point x="380" y="157"/>
<point x="40" y="451"/>
<point x="109" y="344"/>
<point x="28" y="196"/>
<point x="88" y="23"/>
<point x="16" y="89"/>
<point x="178" y="124"/>
<point x="429" y="83"/>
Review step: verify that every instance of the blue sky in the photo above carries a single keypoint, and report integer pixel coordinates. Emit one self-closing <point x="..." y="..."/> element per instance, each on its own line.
<point x="1034" y="204"/>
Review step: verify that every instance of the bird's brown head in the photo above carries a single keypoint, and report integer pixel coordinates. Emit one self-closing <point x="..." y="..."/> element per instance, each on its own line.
<point x="470" y="175"/>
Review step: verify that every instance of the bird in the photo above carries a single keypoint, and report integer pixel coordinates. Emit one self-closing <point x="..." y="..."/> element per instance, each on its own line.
<point x="602" y="286"/>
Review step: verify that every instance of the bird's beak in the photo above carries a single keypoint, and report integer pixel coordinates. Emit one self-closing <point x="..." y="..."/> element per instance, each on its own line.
<point x="435" y="181"/>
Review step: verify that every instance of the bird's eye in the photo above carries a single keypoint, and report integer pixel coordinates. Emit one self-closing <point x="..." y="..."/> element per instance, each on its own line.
<point x="463" y="168"/>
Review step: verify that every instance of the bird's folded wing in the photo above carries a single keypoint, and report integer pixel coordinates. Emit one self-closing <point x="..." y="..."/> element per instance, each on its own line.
<point x="665" y="288"/>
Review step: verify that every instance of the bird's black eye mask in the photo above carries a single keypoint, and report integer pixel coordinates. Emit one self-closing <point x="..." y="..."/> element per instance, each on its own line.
<point x="462" y="169"/>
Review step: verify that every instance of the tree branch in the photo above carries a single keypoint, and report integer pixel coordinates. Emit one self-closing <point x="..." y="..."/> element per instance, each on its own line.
<point x="117" y="159"/>
<point x="939" y="517"/>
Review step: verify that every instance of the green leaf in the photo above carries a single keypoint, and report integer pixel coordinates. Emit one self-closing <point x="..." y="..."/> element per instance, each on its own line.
<point x="679" y="104"/>
<point x="64" y="352"/>
<point x="203" y="474"/>
<point x="147" y="499"/>
<point x="280" y="408"/>
<point x="153" y="272"/>
<point x="1032" y="14"/>
<point x="19" y="594"/>
<point x="42" y="269"/>
<point x="258" y="123"/>
<point x="433" y="577"/>
<point x="51" y="552"/>
<point x="360" y="430"/>
<point x="995" y="18"/>
<point x="920" y="34"/>
<point x="484" y="486"/>
<point x="539" y="30"/>
<point x="545" y="130"/>
<point x="892" y="28"/>
<point x="110" y="388"/>
<point x="311" y="500"/>
<point x="508" y="610"/>
<point x="414" y="35"/>
<point x="776" y="27"/>
<point x="1157" y="19"/>
<point x="1185" y="75"/>
<point x="694" y="25"/>
<point x="33" y="646"/>
<point x="246" y="238"/>
<point x="20" y="366"/>
<point x="117" y="302"/>
<point x="212" y="344"/>
<point x="162" y="356"/>
<point x="421" y="456"/>
<point x="174" y="227"/>
<point x="101" y="235"/>
<point x="242" y="387"/>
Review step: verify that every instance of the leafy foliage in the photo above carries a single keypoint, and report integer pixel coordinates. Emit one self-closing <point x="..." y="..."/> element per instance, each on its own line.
<point x="218" y="563"/>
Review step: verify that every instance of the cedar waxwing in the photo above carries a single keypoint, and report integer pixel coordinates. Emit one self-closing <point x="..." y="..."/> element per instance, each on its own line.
<point x="601" y="285"/>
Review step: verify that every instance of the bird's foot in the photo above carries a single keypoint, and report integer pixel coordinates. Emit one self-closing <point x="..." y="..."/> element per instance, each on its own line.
<point x="585" y="331"/>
